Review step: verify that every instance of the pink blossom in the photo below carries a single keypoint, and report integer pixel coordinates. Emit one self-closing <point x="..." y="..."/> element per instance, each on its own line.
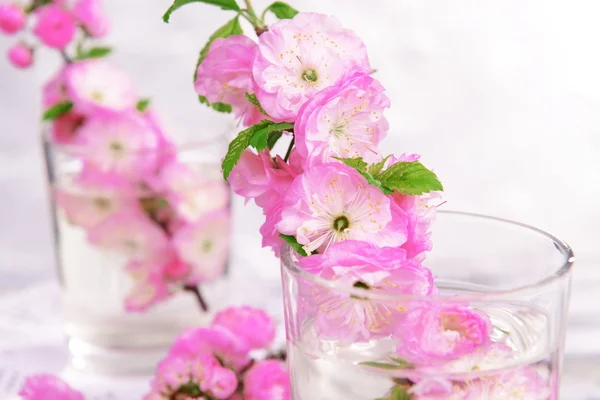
<point x="55" y="26"/>
<point x="250" y="324"/>
<point x="174" y="374"/>
<point x="133" y="235"/>
<point x="47" y="387"/>
<point x="350" y="318"/>
<point x="344" y="121"/>
<point x="267" y="380"/>
<point x="12" y="18"/>
<point x="54" y="91"/>
<point x="496" y="355"/>
<point x="420" y="212"/>
<point x="20" y="55"/>
<point x="433" y="334"/>
<point x="89" y="13"/>
<point x="97" y="87"/>
<point x="300" y="57"/>
<point x="249" y="178"/>
<point x="191" y="192"/>
<point x="232" y="350"/>
<point x="65" y="129"/>
<point x="332" y="202"/>
<point x="175" y="269"/>
<point x="225" y="76"/>
<point x="222" y="383"/>
<point x="521" y="383"/>
<point x="89" y="203"/>
<point x="269" y="231"/>
<point x="123" y="145"/>
<point x="204" y="245"/>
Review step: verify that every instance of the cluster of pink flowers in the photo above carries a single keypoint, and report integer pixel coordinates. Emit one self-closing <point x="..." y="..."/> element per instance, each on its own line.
<point x="353" y="216"/>
<point x="132" y="194"/>
<point x="214" y="362"/>
<point x="54" y="24"/>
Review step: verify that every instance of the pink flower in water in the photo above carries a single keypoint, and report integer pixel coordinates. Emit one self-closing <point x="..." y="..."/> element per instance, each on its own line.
<point x="123" y="145"/>
<point x="191" y="192"/>
<point x="331" y="203"/>
<point x="300" y="57"/>
<point x="435" y="389"/>
<point x="344" y="121"/>
<point x="267" y="380"/>
<point x="97" y="87"/>
<point x="433" y="334"/>
<point x="348" y="317"/>
<point x="12" y="18"/>
<point x="148" y="290"/>
<point x="20" y="55"/>
<point x="222" y="383"/>
<point x="90" y="15"/>
<point x="133" y="235"/>
<point x="47" y="387"/>
<point x="232" y="350"/>
<point x="55" y="26"/>
<point x="204" y="245"/>
<point x="517" y="384"/>
<point x="225" y="76"/>
<point x="90" y="203"/>
<point x="250" y="324"/>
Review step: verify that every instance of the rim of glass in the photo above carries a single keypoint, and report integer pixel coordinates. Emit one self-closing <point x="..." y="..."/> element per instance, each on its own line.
<point x="291" y="265"/>
<point x="222" y="138"/>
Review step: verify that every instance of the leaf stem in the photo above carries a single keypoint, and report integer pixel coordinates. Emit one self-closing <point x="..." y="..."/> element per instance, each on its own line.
<point x="250" y="15"/>
<point x="65" y="57"/>
<point x="196" y="292"/>
<point x="289" y="150"/>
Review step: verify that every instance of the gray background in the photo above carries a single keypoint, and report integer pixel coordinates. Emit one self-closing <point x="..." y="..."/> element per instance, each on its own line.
<point x="500" y="97"/>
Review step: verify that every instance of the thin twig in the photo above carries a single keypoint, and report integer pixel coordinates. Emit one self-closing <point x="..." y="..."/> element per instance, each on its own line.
<point x="196" y="292"/>
<point x="289" y="150"/>
<point x="66" y="57"/>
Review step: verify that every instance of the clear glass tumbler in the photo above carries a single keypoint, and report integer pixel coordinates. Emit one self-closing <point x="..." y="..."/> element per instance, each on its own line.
<point x="505" y="279"/>
<point x="126" y="252"/>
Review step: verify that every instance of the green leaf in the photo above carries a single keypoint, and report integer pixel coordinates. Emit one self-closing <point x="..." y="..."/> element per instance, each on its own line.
<point x="273" y="138"/>
<point x="376" y="168"/>
<point x="57" y="110"/>
<point x="94" y="52"/>
<point x="231" y="28"/>
<point x="411" y="178"/>
<point x="224" y="4"/>
<point x="238" y="145"/>
<point x="252" y="99"/>
<point x="281" y="10"/>
<point x="382" y="365"/>
<point x="143" y="104"/>
<point x="401" y="361"/>
<point x="204" y="100"/>
<point x="357" y="163"/>
<point x="291" y="240"/>
<point x="222" y="107"/>
<point x="400" y="393"/>
<point x="260" y="137"/>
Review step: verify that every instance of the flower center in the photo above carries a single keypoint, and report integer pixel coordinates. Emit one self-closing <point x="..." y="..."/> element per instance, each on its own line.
<point x="361" y="285"/>
<point x="102" y="203"/>
<point x="206" y="245"/>
<point x="341" y="223"/>
<point x="310" y="75"/>
<point x="116" y="146"/>
<point x="97" y="96"/>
